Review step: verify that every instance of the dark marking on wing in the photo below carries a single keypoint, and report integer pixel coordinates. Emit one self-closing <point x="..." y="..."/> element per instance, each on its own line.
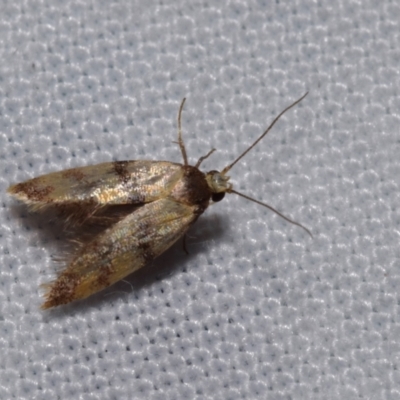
<point x="74" y="174"/>
<point x="121" y="169"/>
<point x="32" y="190"/>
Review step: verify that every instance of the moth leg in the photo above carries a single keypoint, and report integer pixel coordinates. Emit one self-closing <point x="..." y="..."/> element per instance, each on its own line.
<point x="201" y="159"/>
<point x="184" y="244"/>
<point x="180" y="140"/>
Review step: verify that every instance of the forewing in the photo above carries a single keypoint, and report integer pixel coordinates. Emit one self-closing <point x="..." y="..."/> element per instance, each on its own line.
<point x="94" y="186"/>
<point x="122" y="249"/>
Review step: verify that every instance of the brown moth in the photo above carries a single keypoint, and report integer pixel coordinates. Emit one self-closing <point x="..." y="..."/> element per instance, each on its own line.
<point x="169" y="197"/>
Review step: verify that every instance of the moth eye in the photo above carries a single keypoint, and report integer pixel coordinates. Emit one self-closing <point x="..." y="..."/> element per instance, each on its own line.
<point x="217" y="196"/>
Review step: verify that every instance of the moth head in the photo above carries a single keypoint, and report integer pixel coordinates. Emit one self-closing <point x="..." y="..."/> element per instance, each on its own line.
<point x="218" y="184"/>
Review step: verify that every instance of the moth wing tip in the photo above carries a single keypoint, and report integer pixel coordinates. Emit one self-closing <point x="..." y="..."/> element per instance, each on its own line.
<point x="12" y="189"/>
<point x="49" y="301"/>
<point x="18" y="193"/>
<point x="46" y="305"/>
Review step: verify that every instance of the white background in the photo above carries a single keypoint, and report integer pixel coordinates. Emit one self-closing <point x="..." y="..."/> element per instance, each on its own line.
<point x="258" y="309"/>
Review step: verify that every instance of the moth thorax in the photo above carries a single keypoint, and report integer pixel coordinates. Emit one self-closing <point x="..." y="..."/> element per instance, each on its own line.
<point x="218" y="184"/>
<point x="192" y="188"/>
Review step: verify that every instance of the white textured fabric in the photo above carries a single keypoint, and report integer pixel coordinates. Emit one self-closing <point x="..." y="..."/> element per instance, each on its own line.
<point x="257" y="310"/>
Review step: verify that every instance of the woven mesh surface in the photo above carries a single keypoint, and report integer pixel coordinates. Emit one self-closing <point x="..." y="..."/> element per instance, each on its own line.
<point x="257" y="309"/>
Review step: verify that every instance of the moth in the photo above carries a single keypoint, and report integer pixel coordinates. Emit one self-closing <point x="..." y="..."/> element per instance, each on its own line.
<point x="166" y="199"/>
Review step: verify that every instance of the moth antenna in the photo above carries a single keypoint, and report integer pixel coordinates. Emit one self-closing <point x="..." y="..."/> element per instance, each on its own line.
<point x="227" y="168"/>
<point x="272" y="209"/>
<point x="180" y="140"/>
